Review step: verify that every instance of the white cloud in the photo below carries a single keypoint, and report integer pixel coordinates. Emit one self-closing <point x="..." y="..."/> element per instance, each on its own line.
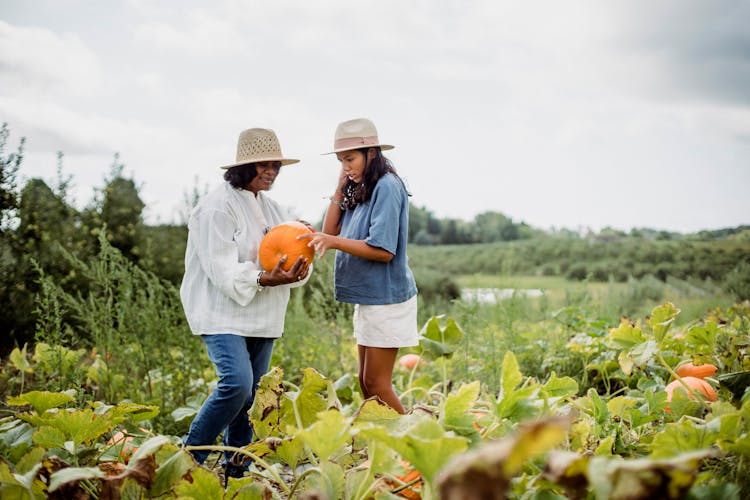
<point x="35" y="60"/>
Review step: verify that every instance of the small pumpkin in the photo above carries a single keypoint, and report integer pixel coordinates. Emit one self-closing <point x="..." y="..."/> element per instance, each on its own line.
<point x="696" y="384"/>
<point x="413" y="491"/>
<point x="699" y="371"/>
<point x="122" y="444"/>
<point x="282" y="240"/>
<point x="409" y="361"/>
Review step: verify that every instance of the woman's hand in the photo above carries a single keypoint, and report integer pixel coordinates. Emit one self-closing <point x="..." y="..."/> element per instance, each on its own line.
<point x="277" y="275"/>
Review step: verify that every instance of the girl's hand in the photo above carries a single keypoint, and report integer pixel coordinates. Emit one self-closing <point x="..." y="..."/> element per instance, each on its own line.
<point x="343" y="178"/>
<point x="320" y="242"/>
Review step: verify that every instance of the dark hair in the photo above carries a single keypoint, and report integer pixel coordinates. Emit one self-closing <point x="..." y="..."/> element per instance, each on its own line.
<point x="356" y="193"/>
<point x="241" y="175"/>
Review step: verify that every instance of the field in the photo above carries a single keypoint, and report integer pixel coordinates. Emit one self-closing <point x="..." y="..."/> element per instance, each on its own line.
<point x="557" y="396"/>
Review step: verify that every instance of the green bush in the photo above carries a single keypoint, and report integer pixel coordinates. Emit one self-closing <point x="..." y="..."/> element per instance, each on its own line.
<point x="737" y="281"/>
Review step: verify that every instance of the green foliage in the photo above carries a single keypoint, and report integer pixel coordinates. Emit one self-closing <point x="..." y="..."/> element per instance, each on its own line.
<point x="128" y="326"/>
<point x="528" y="437"/>
<point x="737" y="281"/>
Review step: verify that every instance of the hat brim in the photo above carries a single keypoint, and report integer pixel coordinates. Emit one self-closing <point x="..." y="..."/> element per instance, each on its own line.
<point x="284" y="161"/>
<point x="384" y="147"/>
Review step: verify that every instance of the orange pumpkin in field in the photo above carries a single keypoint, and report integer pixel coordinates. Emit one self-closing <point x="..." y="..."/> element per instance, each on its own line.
<point x="696" y="384"/>
<point x="409" y="361"/>
<point x="697" y="371"/>
<point x="282" y="240"/>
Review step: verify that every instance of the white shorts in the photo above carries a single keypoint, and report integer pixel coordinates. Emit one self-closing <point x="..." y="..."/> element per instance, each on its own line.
<point x="390" y="325"/>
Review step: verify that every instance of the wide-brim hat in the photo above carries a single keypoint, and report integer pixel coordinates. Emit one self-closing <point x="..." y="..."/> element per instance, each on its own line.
<point x="356" y="134"/>
<point x="259" y="144"/>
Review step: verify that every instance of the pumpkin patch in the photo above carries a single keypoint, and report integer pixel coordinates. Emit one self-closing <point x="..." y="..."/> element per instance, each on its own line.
<point x="282" y="240"/>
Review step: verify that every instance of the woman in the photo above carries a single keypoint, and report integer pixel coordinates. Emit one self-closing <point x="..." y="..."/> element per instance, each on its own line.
<point x="236" y="307"/>
<point x="367" y="221"/>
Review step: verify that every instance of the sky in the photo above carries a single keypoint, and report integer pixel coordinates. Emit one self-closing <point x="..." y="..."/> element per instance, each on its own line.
<point x="588" y="114"/>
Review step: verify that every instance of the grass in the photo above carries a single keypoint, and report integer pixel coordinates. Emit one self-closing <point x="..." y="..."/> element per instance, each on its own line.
<point x="609" y="298"/>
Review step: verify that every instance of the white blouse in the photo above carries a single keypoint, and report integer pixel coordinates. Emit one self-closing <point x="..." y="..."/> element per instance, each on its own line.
<point x="219" y="291"/>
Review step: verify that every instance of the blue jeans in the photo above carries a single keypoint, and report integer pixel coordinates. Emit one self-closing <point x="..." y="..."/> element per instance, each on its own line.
<point x="240" y="362"/>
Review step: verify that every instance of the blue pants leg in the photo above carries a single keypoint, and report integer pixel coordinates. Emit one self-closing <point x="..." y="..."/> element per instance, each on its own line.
<point x="240" y="363"/>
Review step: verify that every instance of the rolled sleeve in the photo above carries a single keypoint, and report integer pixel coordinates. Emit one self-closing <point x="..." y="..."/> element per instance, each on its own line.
<point x="384" y="222"/>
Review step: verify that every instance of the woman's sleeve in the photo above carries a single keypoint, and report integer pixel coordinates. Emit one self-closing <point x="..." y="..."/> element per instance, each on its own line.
<point x="220" y="260"/>
<point x="386" y="214"/>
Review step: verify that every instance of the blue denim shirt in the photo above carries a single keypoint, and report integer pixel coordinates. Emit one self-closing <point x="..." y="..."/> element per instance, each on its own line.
<point x="381" y="222"/>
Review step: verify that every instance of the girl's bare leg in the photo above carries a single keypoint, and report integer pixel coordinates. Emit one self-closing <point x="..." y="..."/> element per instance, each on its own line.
<point x="361" y="350"/>
<point x="376" y="374"/>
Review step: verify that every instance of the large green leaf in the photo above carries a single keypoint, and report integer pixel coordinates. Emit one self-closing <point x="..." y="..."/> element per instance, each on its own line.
<point x="436" y="341"/>
<point x="200" y="484"/>
<point x="422" y="441"/>
<point x="683" y="436"/>
<point x="455" y="411"/>
<point x="291" y="451"/>
<point x="644" y="479"/>
<point x="559" y="387"/>
<point x="304" y="404"/>
<point x="515" y="403"/>
<point x="330" y="481"/>
<point x="78" y="426"/>
<point x="328" y="434"/>
<point x="171" y="472"/>
<point x="265" y="412"/>
<point x="486" y="471"/>
<point x="72" y="475"/>
<point x="18" y="360"/>
<point x="41" y="401"/>
<point x="626" y="336"/>
<point x="661" y="320"/>
<point x="703" y="337"/>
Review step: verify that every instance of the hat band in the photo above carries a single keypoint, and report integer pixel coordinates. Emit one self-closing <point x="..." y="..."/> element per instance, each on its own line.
<point x="348" y="142"/>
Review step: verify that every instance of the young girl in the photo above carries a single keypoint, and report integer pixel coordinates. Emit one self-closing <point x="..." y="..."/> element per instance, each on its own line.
<point x="367" y="221"/>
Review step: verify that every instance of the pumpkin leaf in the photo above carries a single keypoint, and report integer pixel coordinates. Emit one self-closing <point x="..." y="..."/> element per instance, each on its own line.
<point x="265" y="414"/>
<point x="625" y="336"/>
<point x="199" y="484"/>
<point x="304" y="404"/>
<point x="559" y="387"/>
<point x="643" y="479"/>
<point x="41" y="401"/>
<point x="171" y="472"/>
<point x="19" y="360"/>
<point x="486" y="471"/>
<point x="328" y="434"/>
<point x="436" y="341"/>
<point x="423" y="442"/>
<point x="72" y="475"/>
<point x="682" y="436"/>
<point x="661" y="320"/>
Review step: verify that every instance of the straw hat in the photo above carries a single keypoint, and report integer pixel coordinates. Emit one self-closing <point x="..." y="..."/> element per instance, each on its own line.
<point x="356" y="134"/>
<point x="259" y="144"/>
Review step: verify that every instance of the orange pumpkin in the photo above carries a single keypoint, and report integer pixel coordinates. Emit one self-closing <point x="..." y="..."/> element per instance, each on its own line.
<point x="696" y="384"/>
<point x="700" y="371"/>
<point x="122" y="443"/>
<point x="282" y="240"/>
<point x="409" y="361"/>
<point x="411" y="492"/>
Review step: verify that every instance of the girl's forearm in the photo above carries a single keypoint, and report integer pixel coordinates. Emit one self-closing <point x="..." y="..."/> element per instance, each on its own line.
<point x="361" y="249"/>
<point x="332" y="220"/>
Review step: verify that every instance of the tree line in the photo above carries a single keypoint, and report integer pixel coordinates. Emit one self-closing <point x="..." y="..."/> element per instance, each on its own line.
<point x="42" y="232"/>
